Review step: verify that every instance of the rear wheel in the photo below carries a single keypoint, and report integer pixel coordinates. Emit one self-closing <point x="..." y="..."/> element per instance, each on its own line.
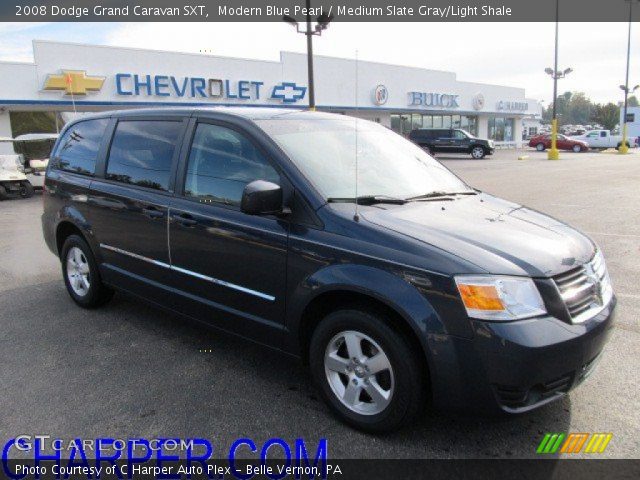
<point x="366" y="371"/>
<point x="81" y="275"/>
<point x="478" y="153"/>
<point x="577" y="148"/>
<point x="26" y="189"/>
<point x="540" y="147"/>
<point x="620" y="144"/>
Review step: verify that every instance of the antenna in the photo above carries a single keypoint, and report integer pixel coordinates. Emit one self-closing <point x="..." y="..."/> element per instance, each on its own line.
<point x="356" y="216"/>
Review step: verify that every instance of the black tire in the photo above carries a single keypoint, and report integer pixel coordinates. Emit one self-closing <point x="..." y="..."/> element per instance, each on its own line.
<point x="3" y="193"/>
<point x="427" y="149"/>
<point x="620" y="144"/>
<point x="577" y="148"/>
<point x="26" y="189"/>
<point x="477" y="152"/>
<point x="540" y="147"/>
<point x="408" y="393"/>
<point x="97" y="294"/>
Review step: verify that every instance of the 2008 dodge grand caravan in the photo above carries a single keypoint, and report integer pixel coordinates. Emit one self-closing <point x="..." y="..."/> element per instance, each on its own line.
<point x="398" y="285"/>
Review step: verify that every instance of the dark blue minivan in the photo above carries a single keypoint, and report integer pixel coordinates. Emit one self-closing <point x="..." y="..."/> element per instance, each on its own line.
<point x="334" y="240"/>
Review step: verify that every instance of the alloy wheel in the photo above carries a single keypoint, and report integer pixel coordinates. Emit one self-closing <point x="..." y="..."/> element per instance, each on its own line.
<point x="78" y="272"/>
<point x="359" y="372"/>
<point x="477" y="152"/>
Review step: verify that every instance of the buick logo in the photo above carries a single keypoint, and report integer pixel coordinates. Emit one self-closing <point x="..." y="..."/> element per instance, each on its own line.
<point x="478" y="102"/>
<point x="380" y="95"/>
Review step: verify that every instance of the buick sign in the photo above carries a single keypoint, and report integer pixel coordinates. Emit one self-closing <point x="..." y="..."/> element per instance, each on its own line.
<point x="428" y="99"/>
<point x="380" y="95"/>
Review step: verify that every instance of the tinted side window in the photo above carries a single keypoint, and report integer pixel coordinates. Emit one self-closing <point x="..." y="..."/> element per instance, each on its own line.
<point x="458" y="135"/>
<point x="142" y="152"/>
<point x="221" y="162"/>
<point x="78" y="148"/>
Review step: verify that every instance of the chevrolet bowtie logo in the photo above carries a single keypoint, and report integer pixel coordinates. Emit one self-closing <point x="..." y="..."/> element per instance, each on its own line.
<point x="73" y="82"/>
<point x="288" y="92"/>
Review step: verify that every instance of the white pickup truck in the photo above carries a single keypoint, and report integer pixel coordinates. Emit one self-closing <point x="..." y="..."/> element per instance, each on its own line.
<point x="604" y="139"/>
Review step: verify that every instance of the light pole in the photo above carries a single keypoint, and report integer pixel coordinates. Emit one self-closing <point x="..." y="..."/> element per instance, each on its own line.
<point x="623" y="147"/>
<point x="322" y="23"/>
<point x="554" y="154"/>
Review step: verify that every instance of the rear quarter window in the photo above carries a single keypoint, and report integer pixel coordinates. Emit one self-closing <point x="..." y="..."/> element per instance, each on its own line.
<point x="77" y="151"/>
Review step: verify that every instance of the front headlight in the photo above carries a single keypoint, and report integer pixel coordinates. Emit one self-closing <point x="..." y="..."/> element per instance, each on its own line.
<point x="495" y="297"/>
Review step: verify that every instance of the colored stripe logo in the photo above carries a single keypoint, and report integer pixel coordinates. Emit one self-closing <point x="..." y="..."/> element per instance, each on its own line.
<point x="574" y="442"/>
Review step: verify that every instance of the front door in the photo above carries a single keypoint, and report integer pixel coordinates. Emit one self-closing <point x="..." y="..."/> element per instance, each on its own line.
<point x="228" y="267"/>
<point x="460" y="143"/>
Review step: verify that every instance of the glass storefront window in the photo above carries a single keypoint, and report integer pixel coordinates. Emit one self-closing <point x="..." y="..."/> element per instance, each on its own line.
<point x="395" y="123"/>
<point x="501" y="129"/>
<point x="403" y="124"/>
<point x="509" y="129"/>
<point x="416" y="121"/>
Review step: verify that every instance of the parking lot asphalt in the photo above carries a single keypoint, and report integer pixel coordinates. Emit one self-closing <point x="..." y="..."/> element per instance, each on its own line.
<point x="128" y="370"/>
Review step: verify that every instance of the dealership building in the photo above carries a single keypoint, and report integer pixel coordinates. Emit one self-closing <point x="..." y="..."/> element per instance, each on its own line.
<point x="68" y="77"/>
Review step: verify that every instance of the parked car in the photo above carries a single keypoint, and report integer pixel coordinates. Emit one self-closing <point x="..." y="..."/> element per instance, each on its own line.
<point x="542" y="142"/>
<point x="35" y="149"/>
<point x="417" y="287"/>
<point x="447" y="140"/>
<point x="13" y="181"/>
<point x="604" y="139"/>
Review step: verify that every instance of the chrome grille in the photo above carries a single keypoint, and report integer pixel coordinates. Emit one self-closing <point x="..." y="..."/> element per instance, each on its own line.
<point x="581" y="289"/>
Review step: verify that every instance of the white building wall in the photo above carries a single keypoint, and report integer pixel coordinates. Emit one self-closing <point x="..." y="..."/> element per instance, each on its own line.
<point x="5" y="131"/>
<point x="342" y="84"/>
<point x="483" y="126"/>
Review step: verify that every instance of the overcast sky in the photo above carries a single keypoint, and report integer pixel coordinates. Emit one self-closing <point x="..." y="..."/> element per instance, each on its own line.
<point x="513" y="54"/>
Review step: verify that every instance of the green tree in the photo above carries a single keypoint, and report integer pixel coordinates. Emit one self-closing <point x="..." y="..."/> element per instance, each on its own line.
<point x="578" y="109"/>
<point x="606" y="115"/>
<point x="633" y="101"/>
<point x="33" y="122"/>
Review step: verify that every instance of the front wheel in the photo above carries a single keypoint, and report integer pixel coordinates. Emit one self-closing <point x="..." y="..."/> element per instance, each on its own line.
<point x="366" y="371"/>
<point x="478" y="153"/>
<point x="577" y="148"/>
<point x="81" y="275"/>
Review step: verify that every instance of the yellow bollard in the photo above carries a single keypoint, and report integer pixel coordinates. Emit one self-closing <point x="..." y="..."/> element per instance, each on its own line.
<point x="554" y="154"/>
<point x="623" y="147"/>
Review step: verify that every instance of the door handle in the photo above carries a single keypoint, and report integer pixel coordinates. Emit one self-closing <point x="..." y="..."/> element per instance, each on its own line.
<point x="152" y="212"/>
<point x="187" y="220"/>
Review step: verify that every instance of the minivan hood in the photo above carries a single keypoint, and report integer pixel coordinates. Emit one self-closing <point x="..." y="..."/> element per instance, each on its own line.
<point x="498" y="236"/>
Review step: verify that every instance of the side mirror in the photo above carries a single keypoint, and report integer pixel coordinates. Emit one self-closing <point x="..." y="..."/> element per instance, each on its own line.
<point x="261" y="198"/>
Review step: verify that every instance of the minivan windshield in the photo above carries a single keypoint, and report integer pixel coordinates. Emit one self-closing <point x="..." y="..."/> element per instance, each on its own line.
<point x="390" y="166"/>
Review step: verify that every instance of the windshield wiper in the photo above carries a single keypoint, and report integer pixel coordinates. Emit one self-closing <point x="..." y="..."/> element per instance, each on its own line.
<point x="439" y="194"/>
<point x="368" y="200"/>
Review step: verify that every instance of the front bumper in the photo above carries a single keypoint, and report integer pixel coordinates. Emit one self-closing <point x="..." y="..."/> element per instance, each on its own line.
<point x="514" y="367"/>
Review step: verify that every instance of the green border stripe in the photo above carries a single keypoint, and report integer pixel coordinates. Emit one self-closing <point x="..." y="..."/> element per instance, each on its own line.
<point x="558" y="443"/>
<point x="543" y="443"/>
<point x="550" y="443"/>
